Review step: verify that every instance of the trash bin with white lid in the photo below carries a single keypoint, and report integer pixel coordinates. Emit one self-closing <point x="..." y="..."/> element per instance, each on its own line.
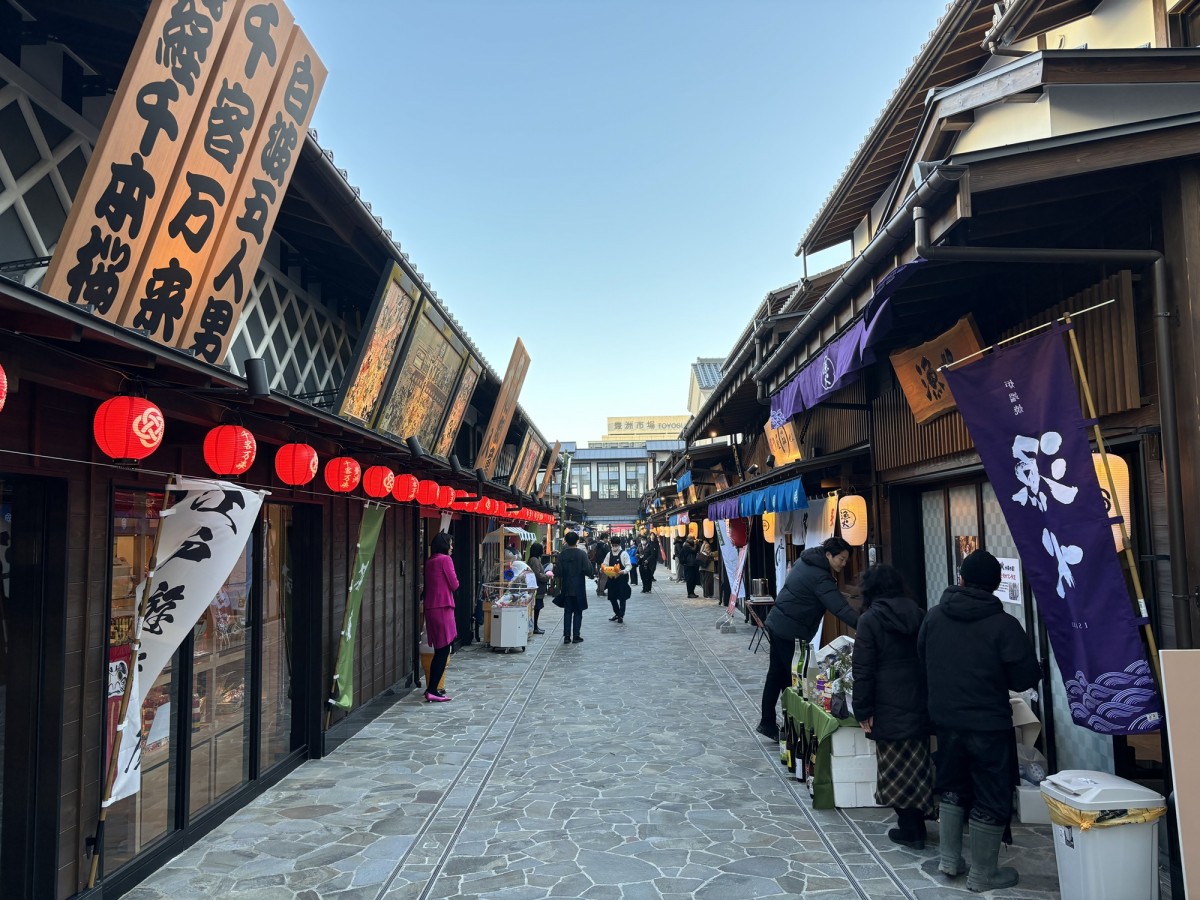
<point x="1105" y="835"/>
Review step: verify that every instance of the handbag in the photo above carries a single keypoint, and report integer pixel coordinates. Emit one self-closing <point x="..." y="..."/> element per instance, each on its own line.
<point x="703" y="558"/>
<point x="559" y="600"/>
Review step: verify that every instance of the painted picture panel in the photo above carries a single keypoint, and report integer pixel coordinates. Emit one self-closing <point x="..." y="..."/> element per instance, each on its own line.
<point x="462" y="397"/>
<point x="424" y="380"/>
<point x="378" y="346"/>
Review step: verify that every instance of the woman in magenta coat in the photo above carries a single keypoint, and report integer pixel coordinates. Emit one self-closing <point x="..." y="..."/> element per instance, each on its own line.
<point x="440" y="584"/>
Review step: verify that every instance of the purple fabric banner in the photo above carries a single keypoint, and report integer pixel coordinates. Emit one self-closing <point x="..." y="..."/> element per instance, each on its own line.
<point x="1022" y="411"/>
<point x="842" y="358"/>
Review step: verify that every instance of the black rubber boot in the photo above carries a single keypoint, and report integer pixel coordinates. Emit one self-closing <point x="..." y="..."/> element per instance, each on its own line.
<point x="950" y="840"/>
<point x="986" y="875"/>
<point x="911" y="832"/>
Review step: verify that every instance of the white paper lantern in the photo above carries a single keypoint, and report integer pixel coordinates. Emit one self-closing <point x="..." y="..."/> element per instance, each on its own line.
<point x="681" y="530"/>
<point x="852" y="519"/>
<point x="769" y="527"/>
<point x="710" y="528"/>
<point x="693" y="529"/>
<point x="1120" y="477"/>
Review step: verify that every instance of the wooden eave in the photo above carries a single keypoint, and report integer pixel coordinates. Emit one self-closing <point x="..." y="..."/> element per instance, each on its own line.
<point x="953" y="54"/>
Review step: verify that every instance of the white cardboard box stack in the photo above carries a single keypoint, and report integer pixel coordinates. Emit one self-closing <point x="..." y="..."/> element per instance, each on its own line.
<point x="853" y="768"/>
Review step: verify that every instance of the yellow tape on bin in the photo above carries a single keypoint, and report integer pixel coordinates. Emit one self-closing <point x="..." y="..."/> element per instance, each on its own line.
<point x="1061" y="814"/>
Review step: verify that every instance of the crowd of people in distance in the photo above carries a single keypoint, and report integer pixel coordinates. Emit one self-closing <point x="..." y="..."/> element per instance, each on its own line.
<point x="947" y="672"/>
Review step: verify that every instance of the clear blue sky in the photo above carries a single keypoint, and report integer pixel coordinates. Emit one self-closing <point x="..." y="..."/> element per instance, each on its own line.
<point x="617" y="182"/>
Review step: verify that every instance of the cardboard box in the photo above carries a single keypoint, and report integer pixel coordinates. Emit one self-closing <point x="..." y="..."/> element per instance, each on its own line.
<point x="1030" y="805"/>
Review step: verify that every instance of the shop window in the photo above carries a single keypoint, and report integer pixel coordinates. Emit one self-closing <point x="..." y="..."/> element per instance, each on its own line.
<point x="635" y="478"/>
<point x="276" y="740"/>
<point x="608" y="480"/>
<point x="220" y="727"/>
<point x="581" y="484"/>
<point x="138" y="821"/>
<point x="5" y="565"/>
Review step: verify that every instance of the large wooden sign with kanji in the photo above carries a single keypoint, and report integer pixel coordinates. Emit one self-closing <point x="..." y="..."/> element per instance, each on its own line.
<point x="502" y="412"/>
<point x="549" y="470"/>
<point x="168" y="227"/>
<point x="917" y="369"/>
<point x="784" y="442"/>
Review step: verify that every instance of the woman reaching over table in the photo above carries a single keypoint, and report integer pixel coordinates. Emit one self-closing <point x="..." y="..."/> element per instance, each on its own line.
<point x="440" y="584"/>
<point x="889" y="701"/>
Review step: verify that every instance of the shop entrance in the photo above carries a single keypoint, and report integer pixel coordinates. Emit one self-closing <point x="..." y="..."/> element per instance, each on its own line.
<point x="32" y="628"/>
<point x="230" y="712"/>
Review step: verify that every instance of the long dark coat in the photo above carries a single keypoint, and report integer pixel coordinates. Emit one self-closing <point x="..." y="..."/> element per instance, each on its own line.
<point x="572" y="568"/>
<point x="889" y="680"/>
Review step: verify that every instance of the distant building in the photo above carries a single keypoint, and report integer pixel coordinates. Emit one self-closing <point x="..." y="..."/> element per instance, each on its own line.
<point x="610" y="479"/>
<point x="642" y="428"/>
<point x="706" y="374"/>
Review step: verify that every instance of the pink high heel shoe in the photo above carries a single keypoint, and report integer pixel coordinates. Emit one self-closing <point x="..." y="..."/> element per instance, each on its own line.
<point x="431" y="697"/>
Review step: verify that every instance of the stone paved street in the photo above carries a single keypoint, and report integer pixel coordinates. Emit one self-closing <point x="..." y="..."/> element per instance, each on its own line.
<point x="622" y="767"/>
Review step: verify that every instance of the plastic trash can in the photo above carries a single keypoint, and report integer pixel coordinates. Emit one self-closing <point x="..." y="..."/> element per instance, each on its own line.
<point x="1105" y="835"/>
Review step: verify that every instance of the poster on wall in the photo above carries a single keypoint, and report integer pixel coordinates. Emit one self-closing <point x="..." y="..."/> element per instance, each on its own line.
<point x="964" y="546"/>
<point x="379" y="343"/>
<point x="1010" y="580"/>
<point x="424" y="378"/>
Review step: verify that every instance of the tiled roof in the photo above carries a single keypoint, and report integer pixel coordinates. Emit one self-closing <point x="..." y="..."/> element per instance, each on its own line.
<point x="707" y="372"/>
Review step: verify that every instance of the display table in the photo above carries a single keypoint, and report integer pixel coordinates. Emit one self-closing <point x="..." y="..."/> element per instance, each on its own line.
<point x="842" y="766"/>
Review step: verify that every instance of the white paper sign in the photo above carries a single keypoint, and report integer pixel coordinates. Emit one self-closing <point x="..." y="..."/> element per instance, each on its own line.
<point x="1010" y="580"/>
<point x="822" y="516"/>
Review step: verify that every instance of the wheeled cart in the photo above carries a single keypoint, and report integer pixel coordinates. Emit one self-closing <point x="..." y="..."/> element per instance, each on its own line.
<point x="510" y="627"/>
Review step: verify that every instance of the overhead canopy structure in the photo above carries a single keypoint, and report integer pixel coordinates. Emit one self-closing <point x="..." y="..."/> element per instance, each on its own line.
<point x="495" y="537"/>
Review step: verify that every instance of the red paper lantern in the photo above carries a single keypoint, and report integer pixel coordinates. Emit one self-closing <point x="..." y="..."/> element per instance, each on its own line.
<point x="738" y="532"/>
<point x="404" y="488"/>
<point x="3" y="387"/>
<point x="427" y="492"/>
<point x="229" y="449"/>
<point x="445" y="496"/>
<point x="342" y="474"/>
<point x="378" y="481"/>
<point x="296" y="464"/>
<point x="128" y="427"/>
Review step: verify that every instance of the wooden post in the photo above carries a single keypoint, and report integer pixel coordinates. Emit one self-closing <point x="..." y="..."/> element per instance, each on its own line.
<point x="1140" y="601"/>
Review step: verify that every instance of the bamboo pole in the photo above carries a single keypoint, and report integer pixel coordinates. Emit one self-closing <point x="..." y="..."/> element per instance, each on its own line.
<point x="1140" y="600"/>
<point x="111" y="774"/>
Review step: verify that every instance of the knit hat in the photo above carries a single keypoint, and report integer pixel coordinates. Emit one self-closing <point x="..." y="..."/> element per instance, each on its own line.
<point x="981" y="569"/>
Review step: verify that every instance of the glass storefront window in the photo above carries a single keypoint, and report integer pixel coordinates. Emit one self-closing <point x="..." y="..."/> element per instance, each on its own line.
<point x="5" y="562"/>
<point x="220" y="722"/>
<point x="137" y="821"/>
<point x="276" y="696"/>
<point x="608" y="478"/>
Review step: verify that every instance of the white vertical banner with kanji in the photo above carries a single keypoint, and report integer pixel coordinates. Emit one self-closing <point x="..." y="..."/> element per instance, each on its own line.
<point x="201" y="535"/>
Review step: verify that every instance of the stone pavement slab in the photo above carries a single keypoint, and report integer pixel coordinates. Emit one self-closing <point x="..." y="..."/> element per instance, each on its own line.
<point x="622" y="767"/>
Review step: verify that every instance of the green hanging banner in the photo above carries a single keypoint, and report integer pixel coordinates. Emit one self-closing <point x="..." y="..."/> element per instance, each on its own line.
<point x="342" y="693"/>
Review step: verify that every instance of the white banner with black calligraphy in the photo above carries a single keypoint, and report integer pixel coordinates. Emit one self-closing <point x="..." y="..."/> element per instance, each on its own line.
<point x="201" y="536"/>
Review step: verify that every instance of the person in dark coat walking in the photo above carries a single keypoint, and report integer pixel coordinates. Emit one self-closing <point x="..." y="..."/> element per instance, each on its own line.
<point x="616" y="566"/>
<point x="889" y="701"/>
<point x="800" y="605"/>
<point x="974" y="653"/>
<point x="537" y="565"/>
<point x="691" y="571"/>
<point x="648" y="561"/>
<point x="572" y="568"/>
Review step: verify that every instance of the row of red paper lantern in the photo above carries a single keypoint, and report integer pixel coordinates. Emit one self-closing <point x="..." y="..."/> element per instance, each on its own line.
<point x="131" y="428"/>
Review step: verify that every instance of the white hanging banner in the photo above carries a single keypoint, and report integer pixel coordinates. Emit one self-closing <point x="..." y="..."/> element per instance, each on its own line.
<point x="822" y="517"/>
<point x="799" y="529"/>
<point x="781" y="564"/>
<point x="128" y="777"/>
<point x="733" y="558"/>
<point x="201" y="536"/>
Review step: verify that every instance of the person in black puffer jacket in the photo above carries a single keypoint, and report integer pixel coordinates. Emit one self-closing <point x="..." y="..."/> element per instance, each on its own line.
<point x="889" y="701"/>
<point x="800" y="605"/>
<point x="974" y="654"/>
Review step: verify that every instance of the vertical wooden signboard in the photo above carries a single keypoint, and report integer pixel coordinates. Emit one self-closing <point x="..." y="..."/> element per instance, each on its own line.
<point x="502" y="412"/>
<point x="549" y="470"/>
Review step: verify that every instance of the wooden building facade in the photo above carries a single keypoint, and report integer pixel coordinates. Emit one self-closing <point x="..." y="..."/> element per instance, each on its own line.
<point x="245" y="698"/>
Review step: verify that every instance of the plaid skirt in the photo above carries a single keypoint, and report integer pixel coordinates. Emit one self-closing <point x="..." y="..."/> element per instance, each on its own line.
<point x="905" y="775"/>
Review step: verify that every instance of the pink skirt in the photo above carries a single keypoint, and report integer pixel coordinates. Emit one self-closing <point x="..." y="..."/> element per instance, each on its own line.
<point x="440" y="629"/>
